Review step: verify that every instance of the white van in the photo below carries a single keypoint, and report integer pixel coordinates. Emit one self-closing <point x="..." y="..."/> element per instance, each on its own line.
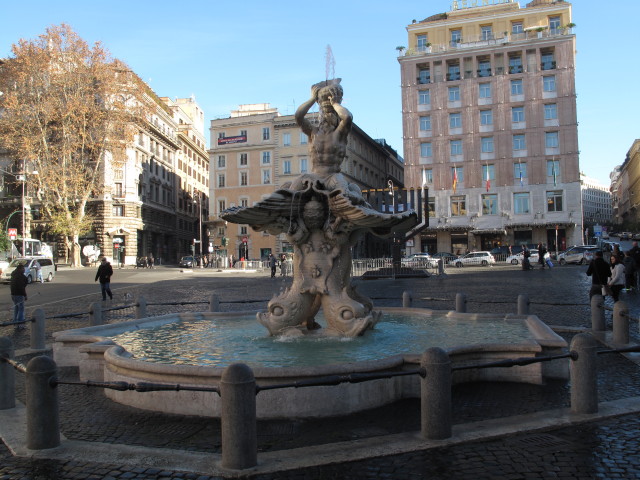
<point x="46" y="264"/>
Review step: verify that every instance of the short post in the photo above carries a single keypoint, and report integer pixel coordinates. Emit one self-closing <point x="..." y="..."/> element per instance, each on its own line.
<point x="238" y="419"/>
<point x="38" y="330"/>
<point x="523" y="304"/>
<point x="406" y="299"/>
<point x="141" y="307"/>
<point x="584" y="374"/>
<point x="441" y="266"/>
<point x="597" y="313"/>
<point x="620" y="323"/>
<point x="43" y="428"/>
<point x="461" y="303"/>
<point x="95" y="314"/>
<point x="7" y="375"/>
<point x="214" y="303"/>
<point x="435" y="395"/>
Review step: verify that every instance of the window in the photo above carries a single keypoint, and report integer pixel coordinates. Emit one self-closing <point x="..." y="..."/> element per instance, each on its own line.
<point x="455" y="147"/>
<point x="266" y="158"/>
<point x="519" y="171"/>
<point x="486" y="144"/>
<point x="551" y="139"/>
<point x="425" y="123"/>
<point x="427" y="175"/>
<point x="547" y="61"/>
<point x="516" y="27"/>
<point x="490" y="204"/>
<point x="431" y="206"/>
<point x="266" y="177"/>
<point x="117" y="190"/>
<point x="485" y="90"/>
<point x="456" y="37"/>
<point x="243" y="230"/>
<point x="266" y="133"/>
<point x="554" y="201"/>
<point x="424" y="75"/>
<point x="554" y="24"/>
<point x="243" y="159"/>
<point x="519" y="142"/>
<point x="425" y="150"/>
<point x="244" y="202"/>
<point x="454" y="94"/>
<point x="521" y="203"/>
<point x="551" y="111"/>
<point x="549" y="83"/>
<point x="303" y="138"/>
<point x="453" y="71"/>
<point x="455" y="120"/>
<point x="424" y="97"/>
<point x="491" y="170"/>
<point x="484" y="68"/>
<point x="517" y="114"/>
<point x="222" y="161"/>
<point x="220" y="180"/>
<point x="486" y="32"/>
<point x="553" y="168"/>
<point x="515" y="64"/>
<point x="458" y="206"/>
<point x="286" y="139"/>
<point x="222" y="206"/>
<point x="286" y="167"/>
<point x="303" y="165"/>
<point x="244" y="178"/>
<point x="243" y="133"/>
<point x="220" y="135"/>
<point x="516" y="87"/>
<point x="421" y="43"/>
<point x="486" y="117"/>
<point x="118" y="210"/>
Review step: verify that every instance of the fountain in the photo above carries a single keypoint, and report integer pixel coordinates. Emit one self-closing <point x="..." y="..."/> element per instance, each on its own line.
<point x="322" y="215"/>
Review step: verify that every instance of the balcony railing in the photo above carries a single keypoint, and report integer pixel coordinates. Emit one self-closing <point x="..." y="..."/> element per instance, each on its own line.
<point x="548" y="65"/>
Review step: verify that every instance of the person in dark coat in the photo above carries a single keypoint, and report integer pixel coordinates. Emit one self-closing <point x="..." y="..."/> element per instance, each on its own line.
<point x="18" y="295"/>
<point x="104" y="275"/>
<point x="542" y="251"/>
<point x="272" y="263"/>
<point x="599" y="271"/>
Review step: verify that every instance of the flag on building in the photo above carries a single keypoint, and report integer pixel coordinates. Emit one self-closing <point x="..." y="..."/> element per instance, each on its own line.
<point x="521" y="181"/>
<point x="424" y="177"/>
<point x="455" y="179"/>
<point x="488" y="180"/>
<point x="553" y="172"/>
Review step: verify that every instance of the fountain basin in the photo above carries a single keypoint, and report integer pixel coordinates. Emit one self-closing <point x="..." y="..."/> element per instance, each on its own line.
<point x="98" y="357"/>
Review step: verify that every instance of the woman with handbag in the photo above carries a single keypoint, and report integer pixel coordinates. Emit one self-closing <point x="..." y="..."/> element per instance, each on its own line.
<point x="616" y="282"/>
<point x="599" y="271"/>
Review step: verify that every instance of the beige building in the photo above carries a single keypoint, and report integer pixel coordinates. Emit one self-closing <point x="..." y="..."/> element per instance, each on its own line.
<point x="596" y="202"/>
<point x="256" y="150"/>
<point x="625" y="190"/>
<point x="489" y="120"/>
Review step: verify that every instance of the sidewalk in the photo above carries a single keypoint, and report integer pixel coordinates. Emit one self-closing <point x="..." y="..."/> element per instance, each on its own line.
<point x="501" y="430"/>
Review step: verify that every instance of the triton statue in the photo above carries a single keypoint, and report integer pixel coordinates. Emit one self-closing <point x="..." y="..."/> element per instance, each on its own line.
<point x="323" y="216"/>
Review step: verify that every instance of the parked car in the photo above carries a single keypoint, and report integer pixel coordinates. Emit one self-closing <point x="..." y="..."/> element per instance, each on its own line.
<point x="46" y="264"/>
<point x="419" y="260"/>
<point x="625" y="236"/>
<point x="187" y="262"/>
<point x="475" y="258"/>
<point x="577" y="254"/>
<point x="517" y="258"/>
<point x="446" y="256"/>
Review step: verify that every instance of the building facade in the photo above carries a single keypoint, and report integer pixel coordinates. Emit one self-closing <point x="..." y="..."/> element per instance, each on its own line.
<point x="256" y="150"/>
<point x="596" y="202"/>
<point x="489" y="121"/>
<point x="625" y="190"/>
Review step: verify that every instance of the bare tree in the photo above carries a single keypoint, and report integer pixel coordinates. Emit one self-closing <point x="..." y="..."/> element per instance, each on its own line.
<point x="67" y="108"/>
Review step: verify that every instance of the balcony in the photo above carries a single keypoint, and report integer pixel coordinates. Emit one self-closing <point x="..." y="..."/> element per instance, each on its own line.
<point x="484" y="72"/>
<point x="548" y="65"/>
<point x="424" y="79"/>
<point x="453" y="76"/>
<point x="515" y="69"/>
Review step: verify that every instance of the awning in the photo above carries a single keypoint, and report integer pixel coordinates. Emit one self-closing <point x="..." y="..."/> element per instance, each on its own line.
<point x="489" y="231"/>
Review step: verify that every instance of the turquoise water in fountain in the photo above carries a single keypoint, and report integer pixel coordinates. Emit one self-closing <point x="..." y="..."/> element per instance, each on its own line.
<point x="222" y="341"/>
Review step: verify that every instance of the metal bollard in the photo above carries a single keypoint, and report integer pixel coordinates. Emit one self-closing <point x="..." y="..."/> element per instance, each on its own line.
<point x="43" y="428"/>
<point x="597" y="313"/>
<point x="441" y="266"/>
<point x="7" y="375"/>
<point x="620" y="323"/>
<point x="38" y="330"/>
<point x="584" y="374"/>
<point x="461" y="303"/>
<point x="435" y="395"/>
<point x="95" y="314"/>
<point x="523" y="304"/>
<point x="406" y="299"/>
<point x="214" y="303"/>
<point x="141" y="307"/>
<point x="238" y="420"/>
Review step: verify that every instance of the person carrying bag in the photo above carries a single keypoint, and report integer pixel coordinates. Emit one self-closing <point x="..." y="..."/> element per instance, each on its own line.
<point x="599" y="271"/>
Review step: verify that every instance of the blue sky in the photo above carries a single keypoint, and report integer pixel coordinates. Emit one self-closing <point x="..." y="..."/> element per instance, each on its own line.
<point x="228" y="53"/>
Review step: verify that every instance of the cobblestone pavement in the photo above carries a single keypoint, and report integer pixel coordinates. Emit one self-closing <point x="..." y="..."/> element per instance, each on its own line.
<point x="604" y="449"/>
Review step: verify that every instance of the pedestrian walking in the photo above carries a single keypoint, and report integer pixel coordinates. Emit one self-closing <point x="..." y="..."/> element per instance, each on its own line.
<point x="526" y="255"/>
<point x="635" y="254"/>
<point x="150" y="260"/>
<point x="599" y="271"/>
<point x="104" y="273"/>
<point x="38" y="268"/>
<point x="283" y="265"/>
<point x="18" y="295"/>
<point x="542" y="251"/>
<point x="629" y="271"/>
<point x="272" y="263"/>
<point x="616" y="282"/>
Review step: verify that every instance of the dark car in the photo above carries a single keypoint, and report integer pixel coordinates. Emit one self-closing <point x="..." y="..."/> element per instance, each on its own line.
<point x="187" y="262"/>
<point x="445" y="256"/>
